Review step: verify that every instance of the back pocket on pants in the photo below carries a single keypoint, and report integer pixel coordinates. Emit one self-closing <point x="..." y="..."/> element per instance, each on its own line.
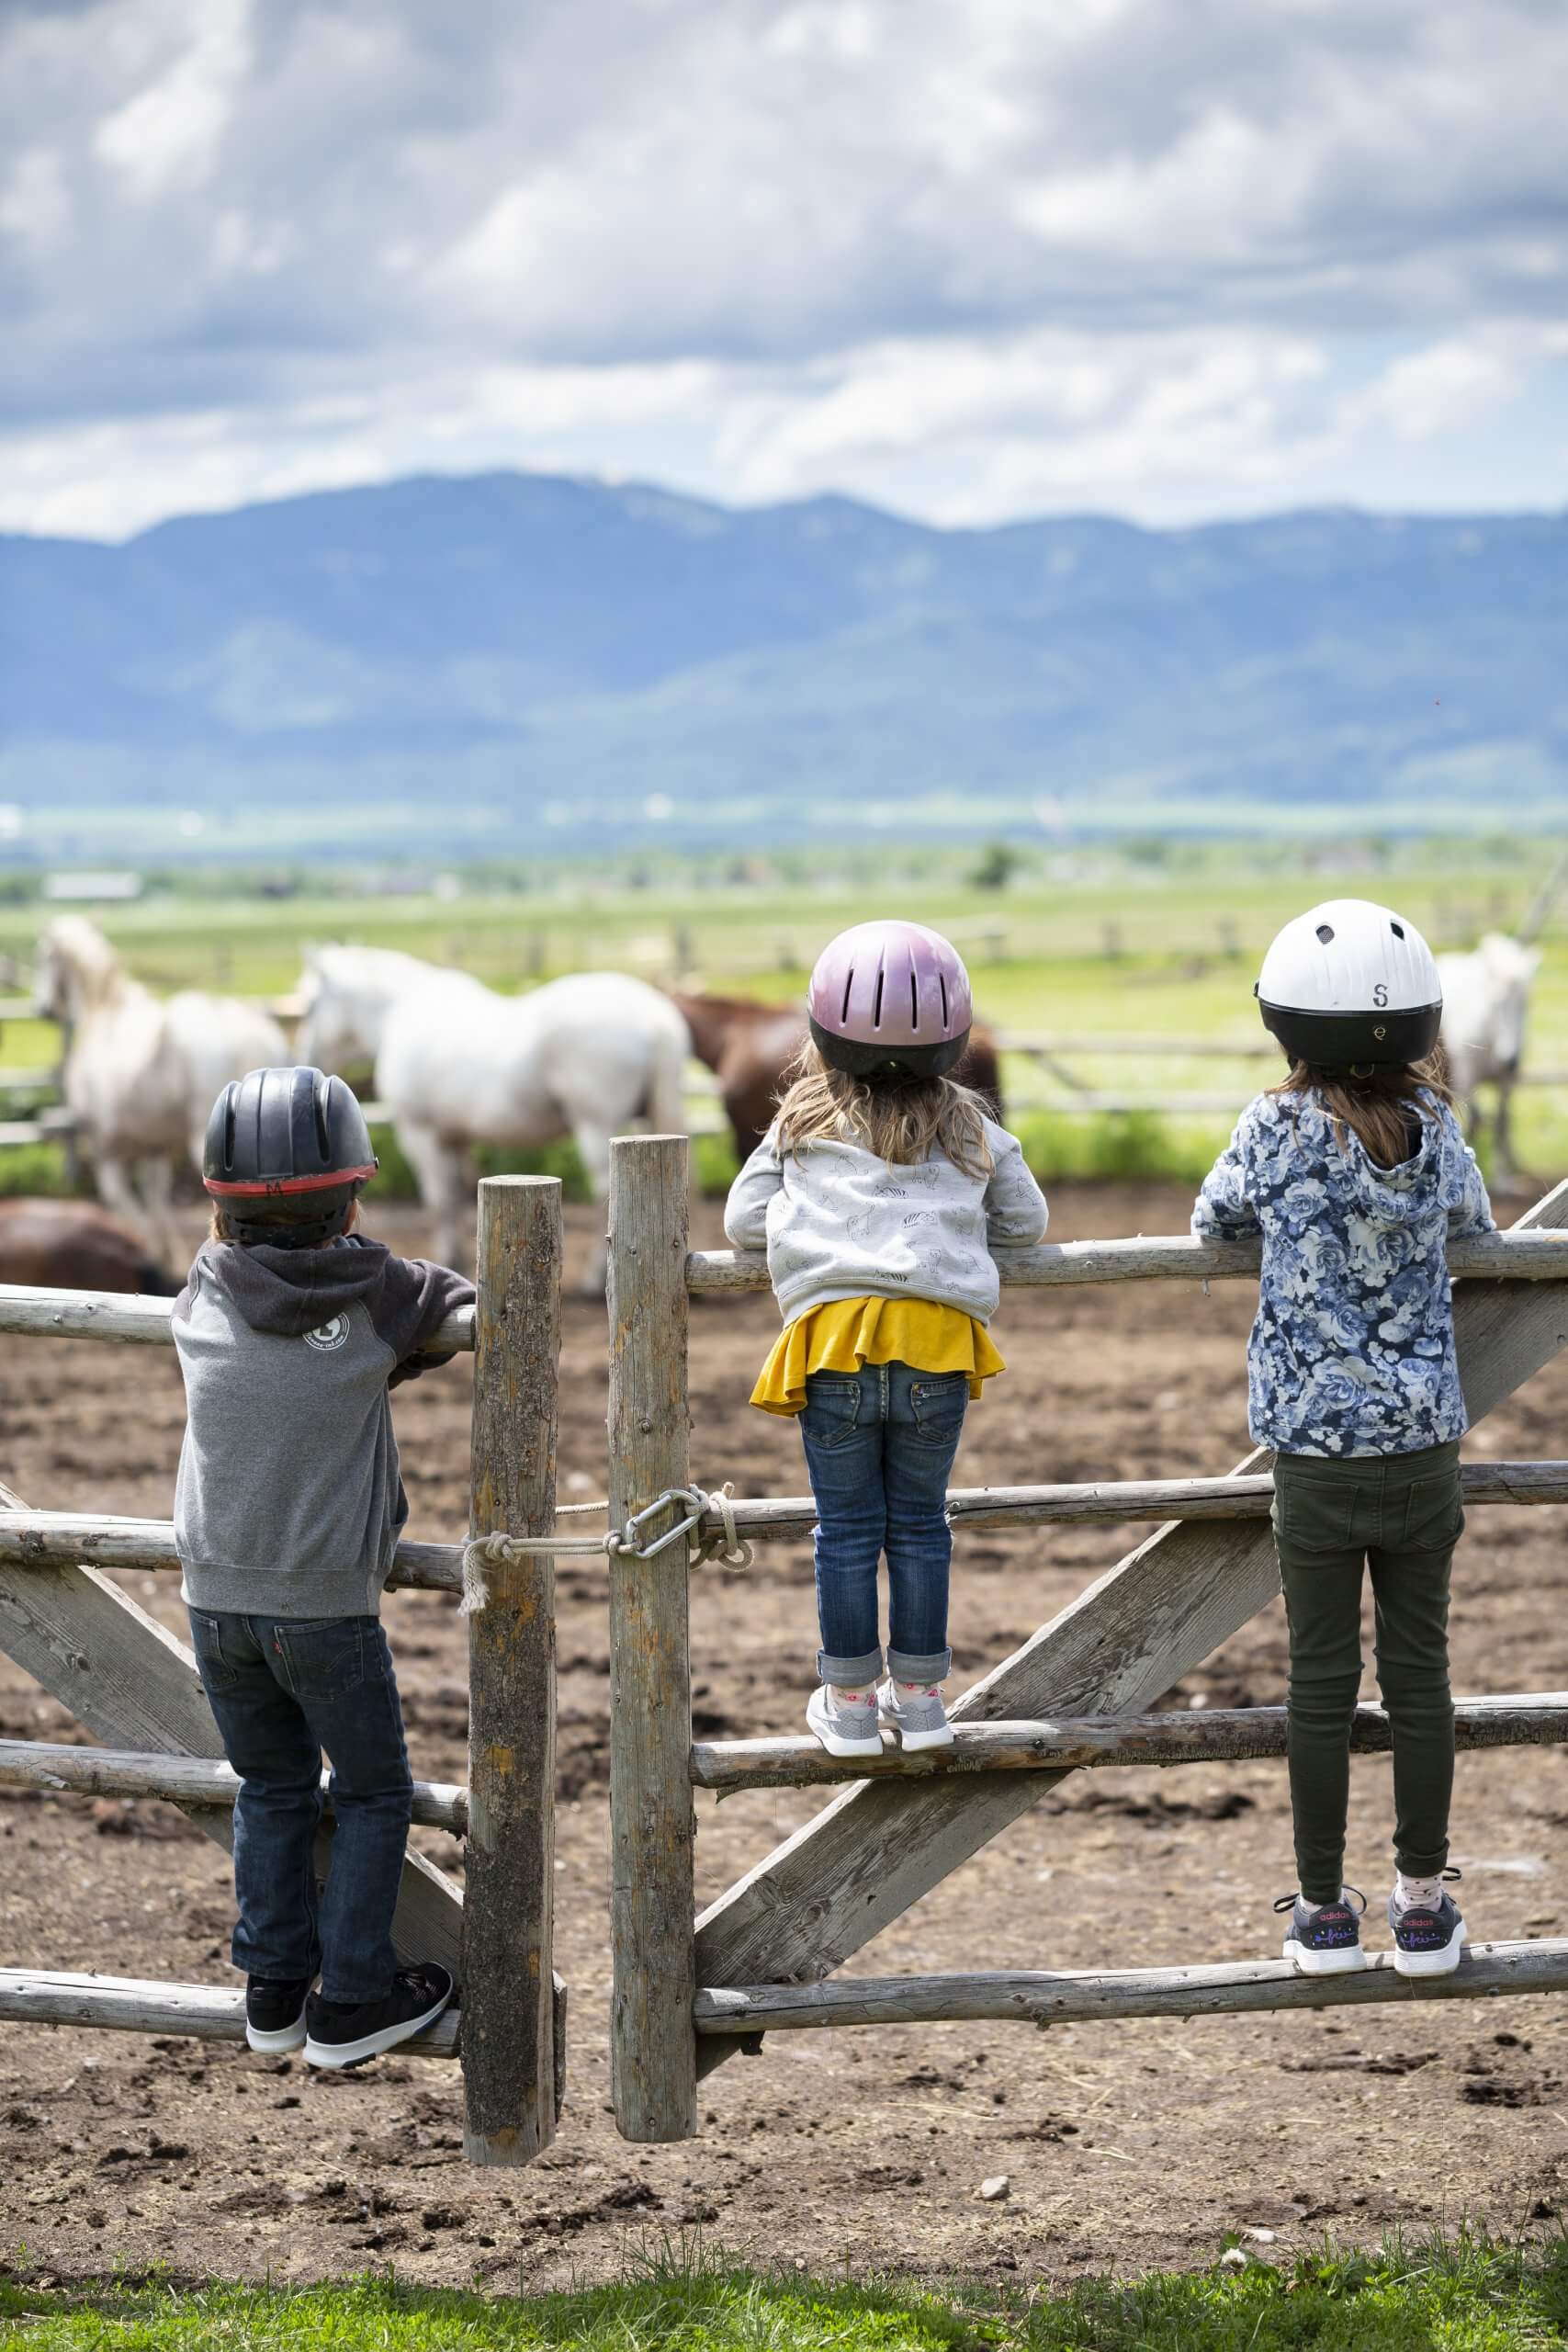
<point x="1434" y="1513"/>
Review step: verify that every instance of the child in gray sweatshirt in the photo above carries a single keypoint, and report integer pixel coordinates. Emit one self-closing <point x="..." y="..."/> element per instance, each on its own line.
<point x="291" y="1331"/>
<point x="878" y="1193"/>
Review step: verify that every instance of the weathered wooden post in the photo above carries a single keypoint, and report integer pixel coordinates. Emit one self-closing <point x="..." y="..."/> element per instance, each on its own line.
<point x="653" y="2042"/>
<point x="509" y="2020"/>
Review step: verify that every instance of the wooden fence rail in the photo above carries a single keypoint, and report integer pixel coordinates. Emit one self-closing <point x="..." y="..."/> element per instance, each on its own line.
<point x="1515" y="1256"/>
<point x="135" y="2005"/>
<point x="1205" y="1736"/>
<point x="1034" y="1997"/>
<point x="44" y="1765"/>
<point x="107" y="1542"/>
<point x="124" y="1319"/>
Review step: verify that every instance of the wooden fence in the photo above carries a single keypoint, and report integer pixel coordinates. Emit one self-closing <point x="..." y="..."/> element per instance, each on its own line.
<point x="689" y="1991"/>
<point x="132" y="1684"/>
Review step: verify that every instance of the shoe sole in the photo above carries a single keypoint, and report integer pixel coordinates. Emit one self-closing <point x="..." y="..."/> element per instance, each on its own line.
<point x="912" y="1740"/>
<point x="1306" y="1962"/>
<point x="371" y="2045"/>
<point x="284" y="2036"/>
<point x="837" y="1745"/>
<point x="1432" y="1963"/>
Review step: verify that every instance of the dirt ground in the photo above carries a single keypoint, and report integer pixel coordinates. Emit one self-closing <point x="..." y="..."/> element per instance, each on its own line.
<point x="1125" y="2143"/>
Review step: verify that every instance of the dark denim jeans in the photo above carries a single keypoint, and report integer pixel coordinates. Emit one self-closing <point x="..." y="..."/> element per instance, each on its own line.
<point x="879" y="1446"/>
<point x="282" y="1689"/>
<point x="1396" y="1518"/>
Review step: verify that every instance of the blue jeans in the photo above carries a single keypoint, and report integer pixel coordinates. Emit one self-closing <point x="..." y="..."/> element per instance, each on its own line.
<point x="282" y="1689"/>
<point x="879" y="1446"/>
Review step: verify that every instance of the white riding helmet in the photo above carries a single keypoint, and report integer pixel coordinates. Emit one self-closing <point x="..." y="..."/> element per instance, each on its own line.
<point x="1351" y="985"/>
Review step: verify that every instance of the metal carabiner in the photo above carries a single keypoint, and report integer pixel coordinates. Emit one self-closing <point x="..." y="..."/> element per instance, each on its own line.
<point x="692" y="1495"/>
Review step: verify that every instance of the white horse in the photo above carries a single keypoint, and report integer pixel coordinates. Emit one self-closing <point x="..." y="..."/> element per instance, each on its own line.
<point x="142" y="1074"/>
<point x="1485" y="1005"/>
<point x="457" y="1064"/>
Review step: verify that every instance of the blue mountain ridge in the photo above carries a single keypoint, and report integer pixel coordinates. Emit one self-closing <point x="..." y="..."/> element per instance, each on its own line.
<point x="530" y="638"/>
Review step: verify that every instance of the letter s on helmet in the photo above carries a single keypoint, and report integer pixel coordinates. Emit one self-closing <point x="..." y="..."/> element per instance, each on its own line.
<point x="287" y="1152"/>
<point x="890" y="999"/>
<point x="1351" y="984"/>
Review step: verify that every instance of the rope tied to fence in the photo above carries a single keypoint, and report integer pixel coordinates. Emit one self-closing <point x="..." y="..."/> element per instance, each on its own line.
<point x="723" y="1546"/>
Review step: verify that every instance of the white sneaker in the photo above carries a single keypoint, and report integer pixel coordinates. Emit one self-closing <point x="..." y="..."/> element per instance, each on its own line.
<point x="918" y="1716"/>
<point x="845" y="1727"/>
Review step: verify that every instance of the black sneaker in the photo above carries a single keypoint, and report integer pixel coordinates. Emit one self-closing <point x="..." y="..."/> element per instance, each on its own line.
<point x="275" y="2011"/>
<point x="1324" y="1938"/>
<point x="344" y="2033"/>
<point x="1428" y="1938"/>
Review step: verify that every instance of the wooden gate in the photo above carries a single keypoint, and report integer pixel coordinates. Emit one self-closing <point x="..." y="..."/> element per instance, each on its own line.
<point x="689" y="1992"/>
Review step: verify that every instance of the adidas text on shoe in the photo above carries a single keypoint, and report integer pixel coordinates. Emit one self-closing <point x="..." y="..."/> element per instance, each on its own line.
<point x="918" y="1716"/>
<point x="344" y="2033"/>
<point x="275" y="2012"/>
<point x="1323" y="1939"/>
<point x="1428" y="1938"/>
<point x="843" y="1726"/>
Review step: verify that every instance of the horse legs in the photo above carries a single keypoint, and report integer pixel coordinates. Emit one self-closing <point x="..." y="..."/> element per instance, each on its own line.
<point x="438" y="1172"/>
<point x="1502" y="1133"/>
<point x="157" y="1186"/>
<point x="118" y="1194"/>
<point x="593" y="1140"/>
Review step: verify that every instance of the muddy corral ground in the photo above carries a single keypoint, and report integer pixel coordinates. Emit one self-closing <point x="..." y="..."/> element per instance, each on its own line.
<point x="1125" y="2143"/>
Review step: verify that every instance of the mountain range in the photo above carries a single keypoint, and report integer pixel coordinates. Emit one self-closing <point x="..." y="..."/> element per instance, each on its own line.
<point x="533" y="658"/>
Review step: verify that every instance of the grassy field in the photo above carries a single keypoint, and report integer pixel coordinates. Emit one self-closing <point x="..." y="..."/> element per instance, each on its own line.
<point x="1163" y="947"/>
<point x="1460" y="2295"/>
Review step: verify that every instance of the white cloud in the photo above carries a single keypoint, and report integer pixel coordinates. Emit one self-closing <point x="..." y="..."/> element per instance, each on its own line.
<point x="1127" y="250"/>
<point x="170" y="132"/>
<point x="1437" y="390"/>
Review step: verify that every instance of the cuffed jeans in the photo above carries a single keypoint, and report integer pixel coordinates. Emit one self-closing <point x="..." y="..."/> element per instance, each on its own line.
<point x="879" y="1446"/>
<point x="282" y="1689"/>
<point x="1399" y="1516"/>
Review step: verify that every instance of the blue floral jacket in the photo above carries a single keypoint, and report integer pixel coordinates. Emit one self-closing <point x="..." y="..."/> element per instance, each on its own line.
<point x="1353" y="1350"/>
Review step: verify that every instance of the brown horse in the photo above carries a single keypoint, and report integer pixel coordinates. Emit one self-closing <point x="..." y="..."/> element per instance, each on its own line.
<point x="749" y="1046"/>
<point x="71" y="1245"/>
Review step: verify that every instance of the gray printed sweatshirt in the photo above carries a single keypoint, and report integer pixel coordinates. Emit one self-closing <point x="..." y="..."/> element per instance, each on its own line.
<point x="288" y="1500"/>
<point x="839" y="1223"/>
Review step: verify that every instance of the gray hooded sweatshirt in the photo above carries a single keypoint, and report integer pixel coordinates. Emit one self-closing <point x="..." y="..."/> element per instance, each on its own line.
<point x="289" y="1501"/>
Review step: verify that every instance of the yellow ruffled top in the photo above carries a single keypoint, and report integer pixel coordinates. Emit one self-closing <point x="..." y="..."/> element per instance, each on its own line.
<point x="849" y="1332"/>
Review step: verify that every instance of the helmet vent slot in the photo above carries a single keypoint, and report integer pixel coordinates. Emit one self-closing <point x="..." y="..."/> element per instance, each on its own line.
<point x="914" y="1003"/>
<point x="1397" y="929"/>
<point x="1325" y="932"/>
<point x="849" y="988"/>
<point x="941" y="983"/>
<point x="876" y="999"/>
<point x="323" y="1134"/>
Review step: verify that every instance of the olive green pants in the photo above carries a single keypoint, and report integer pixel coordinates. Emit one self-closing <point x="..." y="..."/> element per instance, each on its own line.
<point x="1399" y="1516"/>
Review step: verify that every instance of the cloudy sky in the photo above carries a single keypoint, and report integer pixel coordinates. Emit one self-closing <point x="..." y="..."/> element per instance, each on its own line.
<point x="972" y="258"/>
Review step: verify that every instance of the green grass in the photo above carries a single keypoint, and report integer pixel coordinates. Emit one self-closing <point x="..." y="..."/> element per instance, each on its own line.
<point x="1187" y="928"/>
<point x="1462" y="2294"/>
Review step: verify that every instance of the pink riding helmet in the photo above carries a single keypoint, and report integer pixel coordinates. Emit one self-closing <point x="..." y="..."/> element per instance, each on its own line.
<point x="890" y="999"/>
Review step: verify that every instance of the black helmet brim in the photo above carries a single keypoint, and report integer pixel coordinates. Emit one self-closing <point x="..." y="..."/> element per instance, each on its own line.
<point x="858" y="1059"/>
<point x="1354" y="1040"/>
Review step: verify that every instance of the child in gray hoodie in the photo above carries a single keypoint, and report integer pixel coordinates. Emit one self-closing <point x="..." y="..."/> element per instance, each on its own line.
<point x="291" y="1331"/>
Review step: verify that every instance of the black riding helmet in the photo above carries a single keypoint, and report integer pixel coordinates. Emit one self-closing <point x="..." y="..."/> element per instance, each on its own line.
<point x="286" y="1153"/>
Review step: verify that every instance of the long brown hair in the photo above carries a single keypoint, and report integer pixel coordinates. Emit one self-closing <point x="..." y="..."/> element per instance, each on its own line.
<point x="900" y="1119"/>
<point x="1376" y="1108"/>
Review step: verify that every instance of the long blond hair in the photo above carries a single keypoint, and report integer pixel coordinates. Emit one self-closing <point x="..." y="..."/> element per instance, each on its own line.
<point x="899" y="1119"/>
<point x="1375" y="1109"/>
